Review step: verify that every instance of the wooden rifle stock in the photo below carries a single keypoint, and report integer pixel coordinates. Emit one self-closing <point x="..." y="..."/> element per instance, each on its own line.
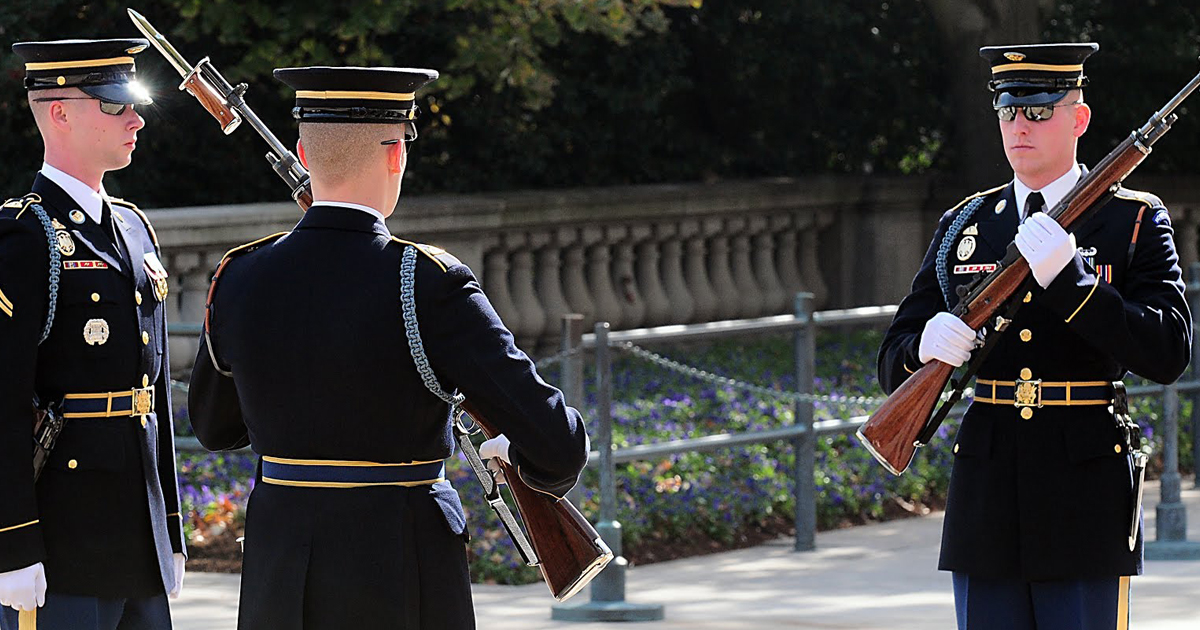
<point x="211" y="99"/>
<point x="569" y="550"/>
<point x="892" y="434"/>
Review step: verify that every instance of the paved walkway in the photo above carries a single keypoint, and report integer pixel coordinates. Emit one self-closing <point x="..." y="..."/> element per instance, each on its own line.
<point x="873" y="577"/>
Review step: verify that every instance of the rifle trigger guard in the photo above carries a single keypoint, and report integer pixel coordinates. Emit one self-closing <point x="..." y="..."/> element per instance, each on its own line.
<point x="464" y="427"/>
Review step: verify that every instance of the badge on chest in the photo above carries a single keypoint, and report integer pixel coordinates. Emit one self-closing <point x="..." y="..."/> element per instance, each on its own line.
<point x="157" y="274"/>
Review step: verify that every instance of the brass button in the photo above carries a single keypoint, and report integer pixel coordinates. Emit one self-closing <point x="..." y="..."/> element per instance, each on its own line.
<point x="137" y="297"/>
<point x="61" y="80"/>
<point x="1116" y="448"/>
<point x="1026" y="335"/>
<point x="1026" y="374"/>
<point x="72" y="464"/>
<point x="145" y="338"/>
<point x="1028" y="297"/>
<point x="955" y="448"/>
<point x="1026" y="412"/>
<point x="95" y="297"/>
<point x="145" y="380"/>
<point x="144" y="422"/>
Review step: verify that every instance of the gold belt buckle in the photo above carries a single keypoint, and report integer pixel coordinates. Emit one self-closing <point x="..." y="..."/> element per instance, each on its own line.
<point x="143" y="401"/>
<point x="1028" y="393"/>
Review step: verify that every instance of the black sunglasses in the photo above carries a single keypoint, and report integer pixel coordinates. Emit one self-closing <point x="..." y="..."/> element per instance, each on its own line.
<point x="112" y="109"/>
<point x="1033" y="113"/>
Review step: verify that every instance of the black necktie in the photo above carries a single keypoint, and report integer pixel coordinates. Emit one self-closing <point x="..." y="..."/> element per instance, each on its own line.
<point x="1033" y="203"/>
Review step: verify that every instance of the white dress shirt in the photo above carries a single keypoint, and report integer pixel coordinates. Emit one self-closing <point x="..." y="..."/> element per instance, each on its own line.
<point x="90" y="201"/>
<point x="1052" y="192"/>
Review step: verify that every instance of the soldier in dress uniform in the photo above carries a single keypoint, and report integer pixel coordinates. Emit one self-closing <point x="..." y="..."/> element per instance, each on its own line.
<point x="1037" y="530"/>
<point x="98" y="540"/>
<point x="306" y="359"/>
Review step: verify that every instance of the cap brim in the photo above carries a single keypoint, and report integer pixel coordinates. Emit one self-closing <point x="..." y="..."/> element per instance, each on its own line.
<point x="131" y="93"/>
<point x="1009" y="99"/>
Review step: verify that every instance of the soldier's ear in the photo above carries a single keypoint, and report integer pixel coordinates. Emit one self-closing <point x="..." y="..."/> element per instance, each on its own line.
<point x="396" y="157"/>
<point x="300" y="153"/>
<point x="56" y="113"/>
<point x="1083" y="118"/>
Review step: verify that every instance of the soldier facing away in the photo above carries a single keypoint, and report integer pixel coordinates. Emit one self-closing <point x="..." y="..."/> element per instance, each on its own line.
<point x="98" y="540"/>
<point x="1037" y="528"/>
<point x="306" y="360"/>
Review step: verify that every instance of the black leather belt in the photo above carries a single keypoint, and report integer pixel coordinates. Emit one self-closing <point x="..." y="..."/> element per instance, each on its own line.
<point x="1037" y="393"/>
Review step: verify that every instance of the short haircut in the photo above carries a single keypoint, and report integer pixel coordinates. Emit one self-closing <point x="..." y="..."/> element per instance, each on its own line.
<point x="337" y="152"/>
<point x="40" y="109"/>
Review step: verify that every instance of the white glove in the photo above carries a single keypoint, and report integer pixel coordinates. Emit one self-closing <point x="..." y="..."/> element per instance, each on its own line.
<point x="24" y="589"/>
<point x="492" y="450"/>
<point x="1046" y="246"/>
<point x="947" y="339"/>
<point x="180" y="559"/>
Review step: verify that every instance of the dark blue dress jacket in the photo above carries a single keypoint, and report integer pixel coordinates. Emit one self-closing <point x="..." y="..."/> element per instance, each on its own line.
<point x="309" y="325"/>
<point x="1050" y="497"/>
<point x="104" y="517"/>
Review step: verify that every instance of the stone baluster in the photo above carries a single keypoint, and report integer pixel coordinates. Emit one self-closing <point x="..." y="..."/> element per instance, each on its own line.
<point x="1186" y="221"/>
<point x="786" y="259"/>
<point x="681" y="306"/>
<point x="648" y="272"/>
<point x="495" y="267"/>
<point x="775" y="300"/>
<point x="520" y="281"/>
<point x="549" y="281"/>
<point x="810" y="269"/>
<point x="574" y="276"/>
<point x="720" y="270"/>
<point x="633" y="307"/>
<point x="706" y="306"/>
<point x="191" y="273"/>
<point x="608" y="305"/>
<point x="749" y="295"/>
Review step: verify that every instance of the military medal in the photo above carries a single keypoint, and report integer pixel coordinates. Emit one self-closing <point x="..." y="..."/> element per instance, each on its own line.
<point x="95" y="332"/>
<point x="972" y="230"/>
<point x="77" y="216"/>
<point x="1000" y="205"/>
<point x="158" y="275"/>
<point x="66" y="244"/>
<point x="966" y="247"/>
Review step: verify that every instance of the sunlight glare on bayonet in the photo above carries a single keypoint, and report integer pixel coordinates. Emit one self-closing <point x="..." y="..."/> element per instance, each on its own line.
<point x="158" y="41"/>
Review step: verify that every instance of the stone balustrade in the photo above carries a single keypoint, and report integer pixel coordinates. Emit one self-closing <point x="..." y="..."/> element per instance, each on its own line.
<point x="644" y="255"/>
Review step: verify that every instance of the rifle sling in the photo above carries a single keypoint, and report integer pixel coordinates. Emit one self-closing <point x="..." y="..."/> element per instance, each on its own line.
<point x="935" y="421"/>
<point x="491" y="493"/>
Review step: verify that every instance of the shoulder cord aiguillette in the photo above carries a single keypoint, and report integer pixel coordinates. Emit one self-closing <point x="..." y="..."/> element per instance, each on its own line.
<point x="491" y="489"/>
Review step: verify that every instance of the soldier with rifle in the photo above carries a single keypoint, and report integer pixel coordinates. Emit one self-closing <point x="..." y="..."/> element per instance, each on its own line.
<point x="330" y="350"/>
<point x="1037" y="529"/>
<point x="90" y="525"/>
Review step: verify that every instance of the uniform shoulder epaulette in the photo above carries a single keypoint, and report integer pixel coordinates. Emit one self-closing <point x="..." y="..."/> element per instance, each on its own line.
<point x="18" y="205"/>
<point x="982" y="193"/>
<point x="1150" y="199"/>
<point x="138" y="211"/>
<point x="251" y="246"/>
<point x="444" y="259"/>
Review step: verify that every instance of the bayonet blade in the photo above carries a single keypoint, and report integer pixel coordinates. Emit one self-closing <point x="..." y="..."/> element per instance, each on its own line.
<point x="160" y="43"/>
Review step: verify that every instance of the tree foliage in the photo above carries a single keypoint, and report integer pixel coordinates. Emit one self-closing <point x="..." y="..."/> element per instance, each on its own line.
<point x="564" y="93"/>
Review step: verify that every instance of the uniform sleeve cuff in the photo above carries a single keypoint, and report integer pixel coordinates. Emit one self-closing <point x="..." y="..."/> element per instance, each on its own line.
<point x="1071" y="291"/>
<point x="21" y="545"/>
